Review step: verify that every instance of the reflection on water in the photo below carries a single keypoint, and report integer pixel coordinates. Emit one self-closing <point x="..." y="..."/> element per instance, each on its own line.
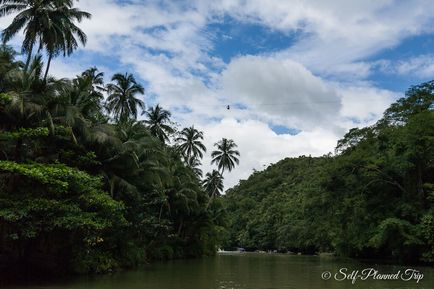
<point x="247" y="270"/>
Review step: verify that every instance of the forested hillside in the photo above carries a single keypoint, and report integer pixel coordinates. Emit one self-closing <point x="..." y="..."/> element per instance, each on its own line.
<point x="373" y="198"/>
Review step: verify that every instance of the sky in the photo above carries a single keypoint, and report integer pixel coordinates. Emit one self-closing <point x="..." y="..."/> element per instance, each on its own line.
<point x="297" y="75"/>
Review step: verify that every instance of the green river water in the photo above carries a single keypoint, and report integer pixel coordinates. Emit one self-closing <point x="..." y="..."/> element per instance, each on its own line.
<point x="251" y="271"/>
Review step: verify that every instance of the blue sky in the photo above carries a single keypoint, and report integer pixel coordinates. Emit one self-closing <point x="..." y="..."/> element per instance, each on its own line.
<point x="297" y="75"/>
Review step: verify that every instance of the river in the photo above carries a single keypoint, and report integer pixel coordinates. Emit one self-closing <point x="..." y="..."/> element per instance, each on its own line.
<point x="253" y="271"/>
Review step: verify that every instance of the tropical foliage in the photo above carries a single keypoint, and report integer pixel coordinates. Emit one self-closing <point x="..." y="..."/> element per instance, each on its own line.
<point x="84" y="185"/>
<point x="87" y="191"/>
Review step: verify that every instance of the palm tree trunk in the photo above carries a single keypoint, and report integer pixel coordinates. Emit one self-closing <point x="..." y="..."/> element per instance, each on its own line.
<point x="112" y="187"/>
<point x="210" y="198"/>
<point x="29" y="57"/>
<point x="180" y="227"/>
<point x="51" y="123"/>
<point x="48" y="67"/>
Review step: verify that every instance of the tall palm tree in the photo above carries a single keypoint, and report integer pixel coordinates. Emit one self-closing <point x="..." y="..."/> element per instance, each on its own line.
<point x="122" y="101"/>
<point x="61" y="35"/>
<point x="190" y="143"/>
<point x="51" y="22"/>
<point x="30" y="17"/>
<point x="213" y="183"/>
<point x="157" y="121"/>
<point x="226" y="155"/>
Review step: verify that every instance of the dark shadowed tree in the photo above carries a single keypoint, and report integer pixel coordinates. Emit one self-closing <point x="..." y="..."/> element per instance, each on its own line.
<point x="190" y="143"/>
<point x="49" y="22"/>
<point x="122" y="101"/>
<point x="213" y="183"/>
<point x="158" y="122"/>
<point x="226" y="155"/>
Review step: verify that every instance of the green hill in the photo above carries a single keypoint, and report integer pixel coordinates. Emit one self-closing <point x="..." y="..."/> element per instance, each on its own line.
<point x="372" y="198"/>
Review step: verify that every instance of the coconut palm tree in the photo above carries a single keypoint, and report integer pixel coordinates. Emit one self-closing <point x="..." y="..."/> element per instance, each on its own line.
<point x="32" y="100"/>
<point x="61" y="35"/>
<point x="194" y="164"/>
<point x="80" y="99"/>
<point x="96" y="76"/>
<point x="31" y="95"/>
<point x="30" y="17"/>
<point x="226" y="155"/>
<point x="190" y="143"/>
<point x="213" y="183"/>
<point x="49" y="22"/>
<point x="122" y="101"/>
<point x="157" y="121"/>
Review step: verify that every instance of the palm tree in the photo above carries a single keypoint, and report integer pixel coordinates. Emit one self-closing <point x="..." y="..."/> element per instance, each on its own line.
<point x="8" y="65"/>
<point x="158" y="119"/>
<point x="61" y="34"/>
<point x="31" y="95"/>
<point x="96" y="76"/>
<point x="190" y="143"/>
<point x="131" y="154"/>
<point x="32" y="100"/>
<point x="80" y="99"/>
<point x="213" y="183"/>
<point x="122" y="101"/>
<point x="30" y="17"/>
<point x="194" y="164"/>
<point x="47" y="21"/>
<point x="226" y="155"/>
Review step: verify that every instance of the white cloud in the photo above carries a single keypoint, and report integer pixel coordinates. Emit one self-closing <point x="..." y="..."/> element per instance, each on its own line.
<point x="334" y="35"/>
<point x="421" y="66"/>
<point x="281" y="89"/>
<point x="363" y="105"/>
<point x="259" y="145"/>
<point x="63" y="69"/>
<point x="337" y="33"/>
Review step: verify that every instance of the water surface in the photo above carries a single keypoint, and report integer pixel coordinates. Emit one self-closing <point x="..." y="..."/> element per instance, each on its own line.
<point x="247" y="271"/>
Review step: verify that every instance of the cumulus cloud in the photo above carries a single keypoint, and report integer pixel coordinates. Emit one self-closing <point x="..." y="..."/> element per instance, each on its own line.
<point x="317" y="84"/>
<point x="281" y="89"/>
<point x="259" y="145"/>
<point x="337" y="33"/>
<point x="334" y="35"/>
<point x="421" y="66"/>
<point x="363" y="105"/>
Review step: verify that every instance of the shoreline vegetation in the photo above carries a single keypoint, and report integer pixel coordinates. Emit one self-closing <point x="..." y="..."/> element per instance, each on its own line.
<point x="373" y="198"/>
<point x="85" y="185"/>
<point x="88" y="187"/>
